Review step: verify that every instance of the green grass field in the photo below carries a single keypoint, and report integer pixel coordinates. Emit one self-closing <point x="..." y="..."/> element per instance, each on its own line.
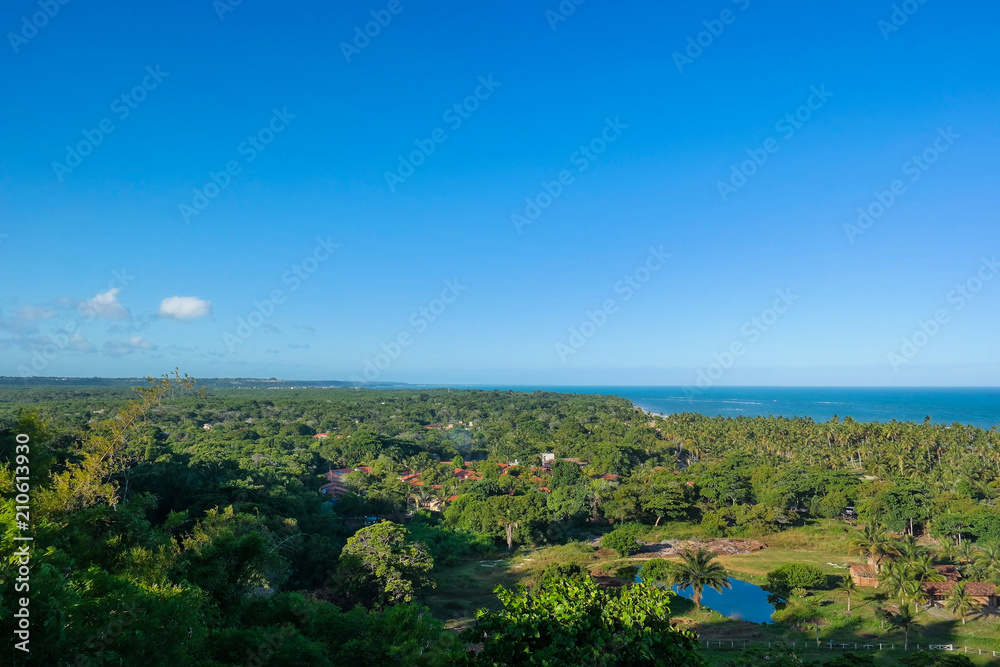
<point x="467" y="587"/>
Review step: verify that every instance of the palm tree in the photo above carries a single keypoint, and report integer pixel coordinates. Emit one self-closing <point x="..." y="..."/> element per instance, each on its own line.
<point x="914" y="592"/>
<point x="697" y="570"/>
<point x="966" y="552"/>
<point x="909" y="550"/>
<point x="905" y="620"/>
<point x="875" y="544"/>
<point x="893" y="579"/>
<point x="989" y="553"/>
<point x="922" y="569"/>
<point x="961" y="602"/>
<point x="848" y="586"/>
<point x="988" y="560"/>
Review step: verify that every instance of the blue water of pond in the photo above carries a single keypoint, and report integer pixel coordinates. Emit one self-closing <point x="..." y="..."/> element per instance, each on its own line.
<point x="744" y="601"/>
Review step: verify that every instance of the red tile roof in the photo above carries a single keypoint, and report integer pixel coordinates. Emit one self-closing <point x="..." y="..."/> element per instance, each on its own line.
<point x="973" y="588"/>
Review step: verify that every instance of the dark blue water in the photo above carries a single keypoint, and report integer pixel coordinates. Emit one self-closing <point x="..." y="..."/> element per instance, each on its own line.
<point x="744" y="601"/>
<point x="976" y="406"/>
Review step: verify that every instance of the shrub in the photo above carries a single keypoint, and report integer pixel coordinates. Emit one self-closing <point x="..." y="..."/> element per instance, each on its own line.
<point x="796" y="575"/>
<point x="621" y="540"/>
<point x="557" y="571"/>
<point x="852" y="660"/>
<point x="761" y="655"/>
<point x="656" y="570"/>
<point x="936" y="660"/>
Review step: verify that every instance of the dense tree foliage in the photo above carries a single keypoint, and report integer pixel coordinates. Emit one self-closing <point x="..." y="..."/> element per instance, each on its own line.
<point x="185" y="526"/>
<point x="571" y="621"/>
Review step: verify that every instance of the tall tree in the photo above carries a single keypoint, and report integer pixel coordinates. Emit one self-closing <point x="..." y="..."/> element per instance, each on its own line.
<point x="849" y="587"/>
<point x="380" y="557"/>
<point x="905" y="620"/>
<point x="696" y="570"/>
<point x="875" y="544"/>
<point x="960" y="601"/>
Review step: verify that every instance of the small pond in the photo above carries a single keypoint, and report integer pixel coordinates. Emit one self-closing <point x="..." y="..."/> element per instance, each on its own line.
<point x="744" y="601"/>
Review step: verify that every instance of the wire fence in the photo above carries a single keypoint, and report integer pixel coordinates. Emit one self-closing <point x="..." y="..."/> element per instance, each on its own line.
<point x="846" y="646"/>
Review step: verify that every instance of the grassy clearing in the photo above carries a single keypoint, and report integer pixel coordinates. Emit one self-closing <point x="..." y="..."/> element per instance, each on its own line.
<point x="465" y="588"/>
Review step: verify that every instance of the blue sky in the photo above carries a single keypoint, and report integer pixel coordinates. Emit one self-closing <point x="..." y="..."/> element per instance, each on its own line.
<point x="112" y="264"/>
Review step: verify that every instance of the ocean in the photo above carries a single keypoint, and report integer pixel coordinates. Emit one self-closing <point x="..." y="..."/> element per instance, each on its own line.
<point x="976" y="406"/>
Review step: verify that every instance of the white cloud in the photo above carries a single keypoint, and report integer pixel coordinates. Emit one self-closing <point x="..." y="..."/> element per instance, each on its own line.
<point x="31" y="313"/>
<point x="119" y="348"/>
<point x="183" y="308"/>
<point x="106" y="305"/>
<point x="78" y="342"/>
<point x="140" y="343"/>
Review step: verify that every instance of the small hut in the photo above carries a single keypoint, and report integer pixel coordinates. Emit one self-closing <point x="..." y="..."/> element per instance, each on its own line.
<point x="863" y="575"/>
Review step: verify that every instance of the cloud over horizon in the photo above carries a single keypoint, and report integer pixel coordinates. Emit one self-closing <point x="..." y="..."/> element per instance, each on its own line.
<point x="184" y="308"/>
<point x="119" y="348"/>
<point x="106" y="305"/>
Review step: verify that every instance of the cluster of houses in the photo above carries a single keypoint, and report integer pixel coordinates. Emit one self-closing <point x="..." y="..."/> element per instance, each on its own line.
<point x="984" y="593"/>
<point x="336" y="487"/>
